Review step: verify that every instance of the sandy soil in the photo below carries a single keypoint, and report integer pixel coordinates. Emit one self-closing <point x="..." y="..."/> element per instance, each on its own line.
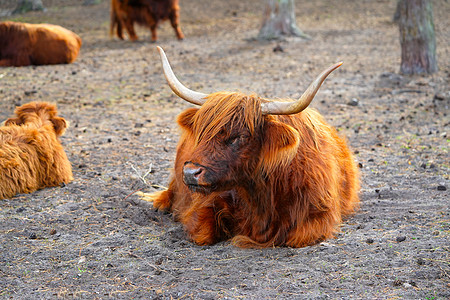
<point x="94" y="238"/>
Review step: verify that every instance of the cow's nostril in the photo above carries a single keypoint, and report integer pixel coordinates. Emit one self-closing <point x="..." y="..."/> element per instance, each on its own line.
<point x="192" y="171"/>
<point x="191" y="174"/>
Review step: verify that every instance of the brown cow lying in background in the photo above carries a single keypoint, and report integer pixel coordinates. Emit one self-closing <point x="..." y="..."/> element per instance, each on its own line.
<point x="31" y="155"/>
<point x="124" y="13"/>
<point x="23" y="44"/>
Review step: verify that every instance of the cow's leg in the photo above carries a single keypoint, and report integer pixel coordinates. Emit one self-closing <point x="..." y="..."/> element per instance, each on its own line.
<point x="200" y="224"/>
<point x="154" y="33"/>
<point x="130" y="28"/>
<point x="174" y="20"/>
<point x="318" y="228"/>
<point x="120" y="30"/>
<point x="208" y="221"/>
<point x="160" y="200"/>
<point x="5" y="62"/>
<point x="20" y="59"/>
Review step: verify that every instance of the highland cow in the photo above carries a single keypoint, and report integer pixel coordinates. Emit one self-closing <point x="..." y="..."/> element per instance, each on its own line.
<point x="31" y="155"/>
<point x="149" y="13"/>
<point x="23" y="44"/>
<point x="262" y="172"/>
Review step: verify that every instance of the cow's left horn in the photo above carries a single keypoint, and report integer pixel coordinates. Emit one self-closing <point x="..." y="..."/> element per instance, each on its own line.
<point x="177" y="87"/>
<point x="293" y="107"/>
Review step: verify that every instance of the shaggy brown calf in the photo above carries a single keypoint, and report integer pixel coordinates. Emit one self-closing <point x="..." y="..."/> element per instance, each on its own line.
<point x="23" y="44"/>
<point x="31" y="155"/>
<point x="262" y="172"/>
<point x="124" y="13"/>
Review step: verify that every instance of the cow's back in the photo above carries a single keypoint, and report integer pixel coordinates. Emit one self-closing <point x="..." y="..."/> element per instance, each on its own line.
<point x="23" y="44"/>
<point x="61" y="45"/>
<point x="17" y="174"/>
<point x="14" y="41"/>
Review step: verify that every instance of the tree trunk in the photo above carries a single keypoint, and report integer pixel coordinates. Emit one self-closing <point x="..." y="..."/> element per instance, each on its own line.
<point x="417" y="37"/>
<point x="28" y="5"/>
<point x="91" y="2"/>
<point x="279" y="20"/>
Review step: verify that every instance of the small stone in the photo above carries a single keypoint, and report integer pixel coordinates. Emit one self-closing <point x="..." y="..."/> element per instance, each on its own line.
<point x="82" y="260"/>
<point x="413" y="283"/>
<point x="369" y="241"/>
<point x="53" y="232"/>
<point x="28" y="93"/>
<point x="278" y="48"/>
<point x="439" y="96"/>
<point x="401" y="238"/>
<point x="353" y="102"/>
<point x="398" y="282"/>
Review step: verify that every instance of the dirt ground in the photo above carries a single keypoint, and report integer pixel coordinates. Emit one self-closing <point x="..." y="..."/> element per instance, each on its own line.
<point x="95" y="239"/>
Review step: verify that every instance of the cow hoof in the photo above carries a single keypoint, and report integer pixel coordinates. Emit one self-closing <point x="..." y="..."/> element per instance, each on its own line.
<point x="159" y="199"/>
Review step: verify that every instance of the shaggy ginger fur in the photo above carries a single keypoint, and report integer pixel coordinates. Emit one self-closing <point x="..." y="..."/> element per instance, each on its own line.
<point x="31" y="155"/>
<point x="261" y="180"/>
<point x="147" y="13"/>
<point x="23" y="44"/>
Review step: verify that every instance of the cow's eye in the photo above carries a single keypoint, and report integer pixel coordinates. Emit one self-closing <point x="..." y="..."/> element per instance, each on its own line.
<point x="233" y="141"/>
<point x="236" y="141"/>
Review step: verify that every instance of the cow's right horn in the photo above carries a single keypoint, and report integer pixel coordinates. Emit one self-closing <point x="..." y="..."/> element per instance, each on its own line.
<point x="177" y="87"/>
<point x="271" y="107"/>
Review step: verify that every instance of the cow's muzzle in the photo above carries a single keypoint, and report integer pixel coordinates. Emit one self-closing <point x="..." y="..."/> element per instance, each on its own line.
<point x="192" y="174"/>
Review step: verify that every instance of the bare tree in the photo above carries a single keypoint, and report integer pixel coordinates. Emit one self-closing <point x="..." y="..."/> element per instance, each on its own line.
<point x="279" y="20"/>
<point x="24" y="6"/>
<point x="91" y="2"/>
<point x="417" y="37"/>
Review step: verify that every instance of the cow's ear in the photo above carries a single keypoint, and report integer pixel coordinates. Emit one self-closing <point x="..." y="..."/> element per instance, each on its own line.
<point x="60" y="125"/>
<point x="186" y="118"/>
<point x="13" y="121"/>
<point x="279" y="147"/>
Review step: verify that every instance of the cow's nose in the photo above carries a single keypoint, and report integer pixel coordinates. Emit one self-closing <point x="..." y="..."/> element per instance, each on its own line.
<point x="191" y="174"/>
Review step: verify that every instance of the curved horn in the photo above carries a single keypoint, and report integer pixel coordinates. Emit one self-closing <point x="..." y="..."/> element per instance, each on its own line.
<point x="177" y="87"/>
<point x="293" y="107"/>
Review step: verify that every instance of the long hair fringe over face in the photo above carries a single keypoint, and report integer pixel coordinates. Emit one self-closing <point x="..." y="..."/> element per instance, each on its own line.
<point x="231" y="111"/>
